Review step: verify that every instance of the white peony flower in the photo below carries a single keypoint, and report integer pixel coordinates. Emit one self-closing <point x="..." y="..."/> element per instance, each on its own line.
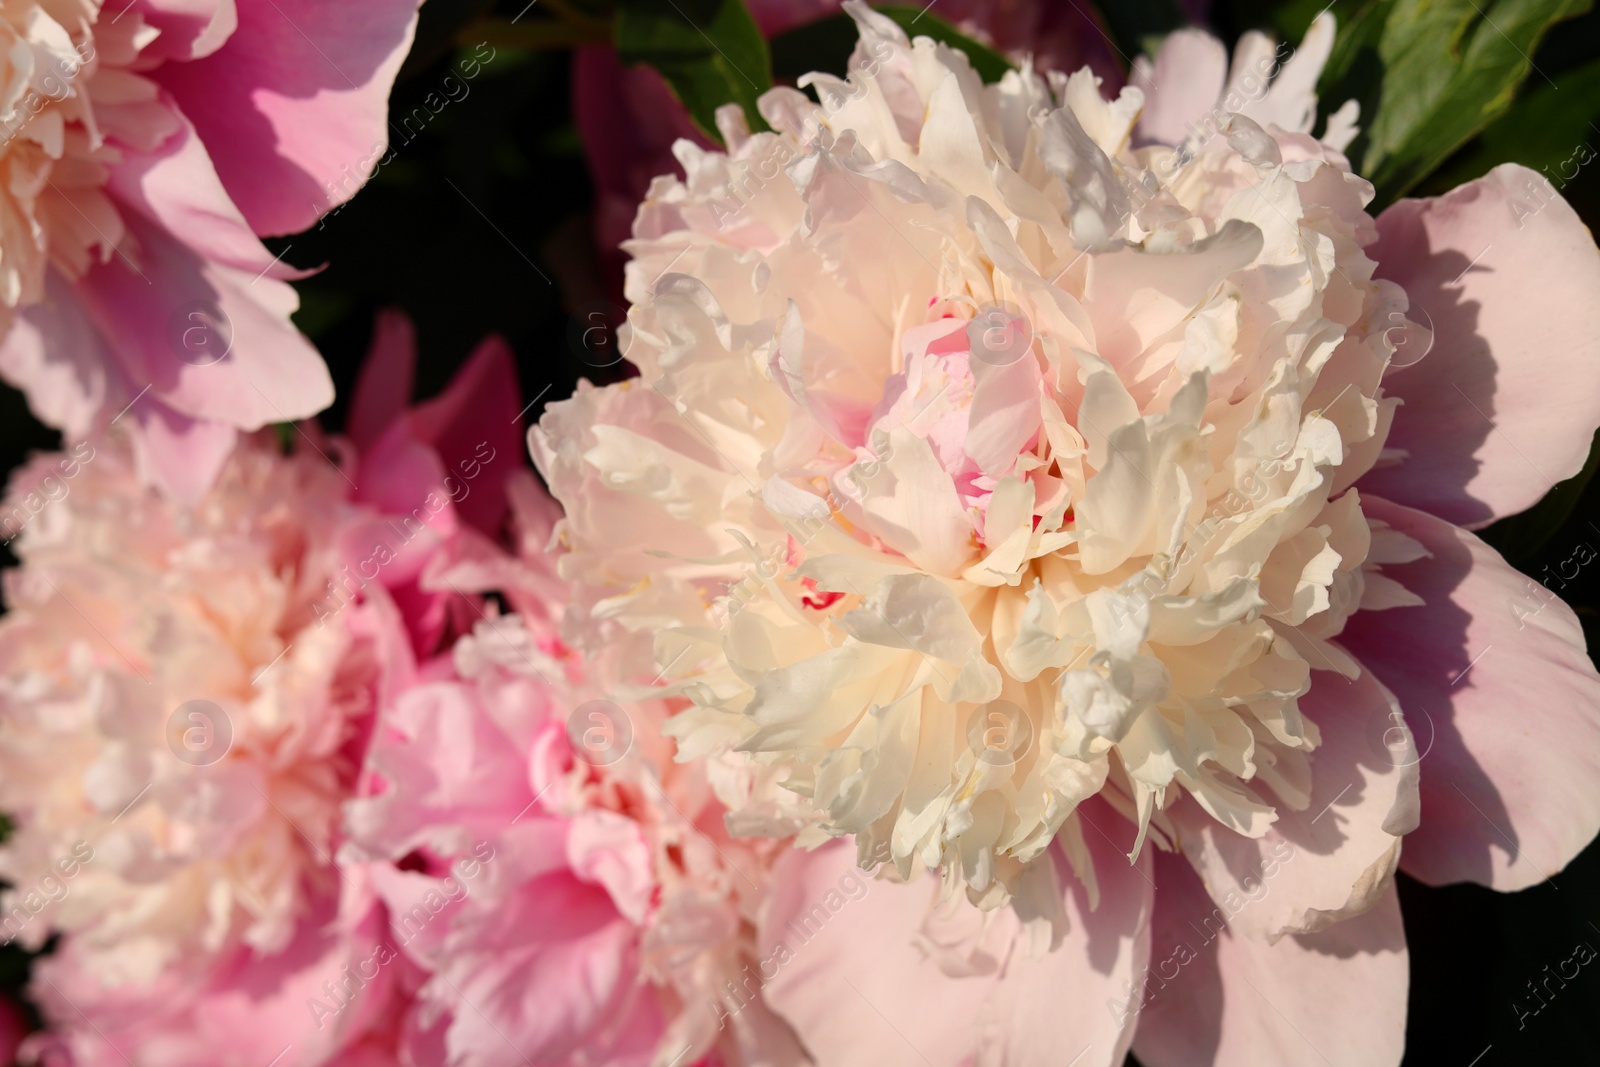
<point x="984" y="460"/>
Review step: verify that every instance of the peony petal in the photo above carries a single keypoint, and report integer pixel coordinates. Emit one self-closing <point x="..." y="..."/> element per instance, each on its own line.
<point x="294" y="108"/>
<point x="383" y="388"/>
<point x="1491" y="421"/>
<point x="189" y="28"/>
<point x="857" y="990"/>
<point x="180" y="454"/>
<point x="1331" y="999"/>
<point x="1181" y="87"/>
<point x="64" y="367"/>
<point x="832" y="924"/>
<point x="476" y="427"/>
<point x="1107" y="946"/>
<point x="265" y="371"/>
<point x="1336" y="857"/>
<point x="1503" y="702"/>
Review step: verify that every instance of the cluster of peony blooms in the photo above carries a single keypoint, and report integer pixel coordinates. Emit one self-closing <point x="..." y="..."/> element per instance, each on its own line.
<point x="303" y="772"/>
<point x="1023" y="610"/>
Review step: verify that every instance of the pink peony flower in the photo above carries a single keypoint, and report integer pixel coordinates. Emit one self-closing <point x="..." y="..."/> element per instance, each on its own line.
<point x="145" y="148"/>
<point x="570" y="893"/>
<point x="1024" y="488"/>
<point x="629" y="119"/>
<point x="186" y="700"/>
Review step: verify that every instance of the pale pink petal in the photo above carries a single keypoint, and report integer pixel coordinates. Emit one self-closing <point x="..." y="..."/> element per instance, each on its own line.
<point x="857" y="990"/>
<point x="264" y="371"/>
<point x="1106" y="947"/>
<point x="61" y="363"/>
<point x="441" y="760"/>
<point x="1182" y="86"/>
<point x="540" y="987"/>
<point x="294" y="107"/>
<point x="1330" y="999"/>
<point x="257" y="1006"/>
<point x="608" y="850"/>
<point x="862" y="988"/>
<point x="180" y="454"/>
<point x="1335" y="857"/>
<point x="176" y="186"/>
<point x="1491" y="421"/>
<point x="1502" y="701"/>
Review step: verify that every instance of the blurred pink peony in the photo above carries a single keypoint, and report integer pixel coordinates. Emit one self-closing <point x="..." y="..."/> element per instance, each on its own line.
<point x="629" y="119"/>
<point x="570" y="893"/>
<point x="1021" y="479"/>
<point x="186" y="698"/>
<point x="145" y="148"/>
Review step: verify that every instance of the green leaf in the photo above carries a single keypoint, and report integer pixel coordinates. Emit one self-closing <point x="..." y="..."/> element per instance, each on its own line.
<point x="1548" y="130"/>
<point x="709" y="51"/>
<point x="825" y="45"/>
<point x="1430" y="74"/>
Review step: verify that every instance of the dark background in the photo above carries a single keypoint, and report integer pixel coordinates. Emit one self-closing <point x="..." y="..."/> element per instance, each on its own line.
<point x="458" y="227"/>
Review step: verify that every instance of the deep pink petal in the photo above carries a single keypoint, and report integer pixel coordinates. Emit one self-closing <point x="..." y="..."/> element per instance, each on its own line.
<point x="13" y="1027"/>
<point x="294" y="107"/>
<point x="1502" y="701"/>
<point x="1330" y="999"/>
<point x="628" y="119"/>
<point x="189" y="28"/>
<point x="383" y="388"/>
<point x="1506" y="271"/>
<point x="475" y="425"/>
